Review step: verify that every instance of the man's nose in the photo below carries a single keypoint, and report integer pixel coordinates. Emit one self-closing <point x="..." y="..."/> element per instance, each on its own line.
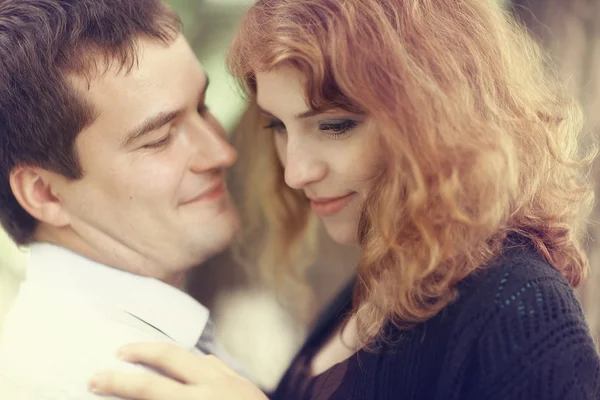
<point x="211" y="147"/>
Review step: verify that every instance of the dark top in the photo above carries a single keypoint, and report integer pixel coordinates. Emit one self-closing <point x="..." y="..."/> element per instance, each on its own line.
<point x="517" y="331"/>
<point x="322" y="386"/>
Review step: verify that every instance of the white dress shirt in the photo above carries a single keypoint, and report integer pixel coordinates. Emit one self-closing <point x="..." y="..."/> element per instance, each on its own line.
<point x="72" y="314"/>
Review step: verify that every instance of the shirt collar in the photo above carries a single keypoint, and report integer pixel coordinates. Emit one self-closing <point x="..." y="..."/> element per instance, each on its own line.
<point x="159" y="304"/>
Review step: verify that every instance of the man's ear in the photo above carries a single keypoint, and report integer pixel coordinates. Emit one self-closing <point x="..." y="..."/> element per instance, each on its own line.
<point x="34" y="188"/>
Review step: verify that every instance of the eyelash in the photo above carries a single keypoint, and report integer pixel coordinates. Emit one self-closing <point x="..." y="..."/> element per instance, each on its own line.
<point x="338" y="128"/>
<point x="275" y="126"/>
<point x="334" y="129"/>
<point x="161" y="143"/>
<point x="202" y="110"/>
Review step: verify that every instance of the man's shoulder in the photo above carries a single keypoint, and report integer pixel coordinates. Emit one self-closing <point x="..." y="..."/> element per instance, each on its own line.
<point x="50" y="322"/>
<point x="56" y="343"/>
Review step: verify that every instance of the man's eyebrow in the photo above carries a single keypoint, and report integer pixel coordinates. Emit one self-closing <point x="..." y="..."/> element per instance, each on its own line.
<point x="157" y="121"/>
<point x="150" y="125"/>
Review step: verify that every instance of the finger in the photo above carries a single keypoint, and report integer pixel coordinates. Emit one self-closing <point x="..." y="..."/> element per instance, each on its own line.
<point x="172" y="360"/>
<point x="138" y="386"/>
<point x="217" y="365"/>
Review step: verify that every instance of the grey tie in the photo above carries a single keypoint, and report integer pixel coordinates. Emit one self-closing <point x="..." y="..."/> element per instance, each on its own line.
<point x="207" y="343"/>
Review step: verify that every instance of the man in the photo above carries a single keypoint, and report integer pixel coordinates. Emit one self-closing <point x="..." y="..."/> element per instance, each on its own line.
<point x="111" y="169"/>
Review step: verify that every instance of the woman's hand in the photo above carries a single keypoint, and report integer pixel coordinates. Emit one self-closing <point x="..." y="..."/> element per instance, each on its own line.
<point x="188" y="377"/>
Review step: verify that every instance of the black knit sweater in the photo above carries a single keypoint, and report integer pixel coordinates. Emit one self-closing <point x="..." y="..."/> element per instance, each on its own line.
<point x="517" y="331"/>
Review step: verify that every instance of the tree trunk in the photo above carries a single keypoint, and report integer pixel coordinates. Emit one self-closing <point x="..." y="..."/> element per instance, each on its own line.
<point x="569" y="30"/>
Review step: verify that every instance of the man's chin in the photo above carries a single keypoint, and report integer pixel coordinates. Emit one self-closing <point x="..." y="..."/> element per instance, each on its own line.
<point x="209" y="243"/>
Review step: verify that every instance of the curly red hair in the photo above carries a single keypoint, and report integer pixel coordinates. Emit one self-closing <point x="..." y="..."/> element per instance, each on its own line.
<point x="481" y="141"/>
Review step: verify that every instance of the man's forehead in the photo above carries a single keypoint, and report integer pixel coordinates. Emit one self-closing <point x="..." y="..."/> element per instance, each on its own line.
<point x="160" y="71"/>
<point x="152" y="61"/>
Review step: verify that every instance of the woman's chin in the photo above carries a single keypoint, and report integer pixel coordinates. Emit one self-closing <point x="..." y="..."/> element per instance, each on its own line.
<point x="342" y="234"/>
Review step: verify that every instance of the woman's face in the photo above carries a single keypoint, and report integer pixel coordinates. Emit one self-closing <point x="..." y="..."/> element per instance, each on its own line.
<point x="333" y="157"/>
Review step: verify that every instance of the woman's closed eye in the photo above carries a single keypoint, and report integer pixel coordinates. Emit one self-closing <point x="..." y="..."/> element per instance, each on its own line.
<point x="335" y="128"/>
<point x="339" y="127"/>
<point x="277" y="126"/>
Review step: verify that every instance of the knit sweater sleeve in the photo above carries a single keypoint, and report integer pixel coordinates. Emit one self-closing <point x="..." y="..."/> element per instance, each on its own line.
<point x="535" y="344"/>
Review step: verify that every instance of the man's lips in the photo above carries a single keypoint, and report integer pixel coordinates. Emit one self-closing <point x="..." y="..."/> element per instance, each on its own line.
<point x="213" y="192"/>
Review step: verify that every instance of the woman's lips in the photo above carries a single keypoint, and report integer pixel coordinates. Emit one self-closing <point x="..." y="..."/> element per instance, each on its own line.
<point x="328" y="206"/>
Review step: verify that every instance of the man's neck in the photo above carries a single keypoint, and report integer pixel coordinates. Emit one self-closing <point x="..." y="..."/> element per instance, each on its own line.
<point x="112" y="254"/>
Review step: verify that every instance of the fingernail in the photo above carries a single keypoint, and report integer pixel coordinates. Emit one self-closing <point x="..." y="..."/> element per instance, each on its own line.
<point x="123" y="352"/>
<point x="95" y="382"/>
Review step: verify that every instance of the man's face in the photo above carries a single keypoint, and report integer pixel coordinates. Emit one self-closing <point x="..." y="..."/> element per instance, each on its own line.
<point x="153" y="160"/>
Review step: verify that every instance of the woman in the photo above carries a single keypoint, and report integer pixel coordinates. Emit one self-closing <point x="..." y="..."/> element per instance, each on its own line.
<point x="429" y="134"/>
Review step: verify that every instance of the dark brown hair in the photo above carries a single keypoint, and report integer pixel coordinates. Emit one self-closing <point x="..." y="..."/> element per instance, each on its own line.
<point x="41" y="42"/>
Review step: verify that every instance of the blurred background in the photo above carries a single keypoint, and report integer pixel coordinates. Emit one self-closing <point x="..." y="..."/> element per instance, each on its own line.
<point x="251" y="323"/>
